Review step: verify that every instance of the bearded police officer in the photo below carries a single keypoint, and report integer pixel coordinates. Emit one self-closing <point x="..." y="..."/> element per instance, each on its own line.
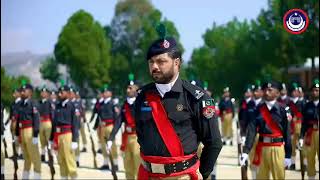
<point x="172" y="117"/>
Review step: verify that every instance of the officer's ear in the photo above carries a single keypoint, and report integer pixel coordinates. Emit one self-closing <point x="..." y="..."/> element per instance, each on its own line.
<point x="177" y="62"/>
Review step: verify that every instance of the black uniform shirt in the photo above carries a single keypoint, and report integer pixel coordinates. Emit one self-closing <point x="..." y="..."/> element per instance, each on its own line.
<point x="45" y="108"/>
<point x="310" y="115"/>
<point x="183" y="104"/>
<point x="28" y="110"/>
<point x="244" y="114"/>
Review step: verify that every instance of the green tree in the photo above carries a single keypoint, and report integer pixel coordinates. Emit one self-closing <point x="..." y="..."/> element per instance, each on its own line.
<point x="83" y="47"/>
<point x="49" y="70"/>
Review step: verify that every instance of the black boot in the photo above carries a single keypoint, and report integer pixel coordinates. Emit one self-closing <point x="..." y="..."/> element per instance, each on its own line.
<point x="20" y="156"/>
<point x="116" y="167"/>
<point x="293" y="167"/>
<point x="78" y="164"/>
<point x="2" y="176"/>
<point x="43" y="159"/>
<point x="84" y="150"/>
<point x="99" y="151"/>
<point x="213" y="177"/>
<point x="104" y="167"/>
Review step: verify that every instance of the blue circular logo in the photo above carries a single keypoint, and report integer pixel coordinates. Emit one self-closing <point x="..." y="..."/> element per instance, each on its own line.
<point x="295" y="21"/>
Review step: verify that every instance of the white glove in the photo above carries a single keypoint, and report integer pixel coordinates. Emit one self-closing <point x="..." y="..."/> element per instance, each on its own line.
<point x="35" y="140"/>
<point x="74" y="145"/>
<point x="300" y="143"/>
<point x="50" y="145"/>
<point x="243" y="140"/>
<point x="287" y="162"/>
<point x="243" y="159"/>
<point x="109" y="144"/>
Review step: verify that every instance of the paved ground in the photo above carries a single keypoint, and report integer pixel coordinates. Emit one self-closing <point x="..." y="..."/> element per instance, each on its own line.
<point x="227" y="167"/>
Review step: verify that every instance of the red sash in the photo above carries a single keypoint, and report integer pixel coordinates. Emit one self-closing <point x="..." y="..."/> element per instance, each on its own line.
<point x="130" y="123"/>
<point x="308" y="136"/>
<point x="165" y="128"/>
<point x="276" y="133"/>
<point x="57" y="134"/>
<point x="297" y="116"/>
<point x="144" y="174"/>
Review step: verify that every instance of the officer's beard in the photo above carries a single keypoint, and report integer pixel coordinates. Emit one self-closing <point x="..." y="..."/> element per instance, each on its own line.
<point x="163" y="77"/>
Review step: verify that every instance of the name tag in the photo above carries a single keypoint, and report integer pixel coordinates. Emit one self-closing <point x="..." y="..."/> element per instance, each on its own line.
<point x="146" y="109"/>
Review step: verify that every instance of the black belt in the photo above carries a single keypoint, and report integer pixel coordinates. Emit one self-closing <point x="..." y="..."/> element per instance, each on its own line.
<point x="170" y="168"/>
<point x="270" y="139"/>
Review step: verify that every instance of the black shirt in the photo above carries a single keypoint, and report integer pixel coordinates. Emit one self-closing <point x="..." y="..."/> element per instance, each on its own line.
<point x="244" y="114"/>
<point x="310" y="115"/>
<point x="183" y="105"/>
<point x="28" y="110"/>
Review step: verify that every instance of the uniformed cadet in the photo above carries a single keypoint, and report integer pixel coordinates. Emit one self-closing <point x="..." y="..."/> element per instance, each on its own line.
<point x="53" y="98"/>
<point x="13" y="116"/>
<point x="65" y="133"/>
<point x="273" y="151"/>
<point x="2" y="138"/>
<point x="172" y="118"/>
<point x="82" y="122"/>
<point x="295" y="106"/>
<point x="309" y="137"/>
<point x="45" y="110"/>
<point x="257" y="98"/>
<point x="245" y="105"/>
<point x="107" y="116"/>
<point x="77" y="105"/>
<point x="226" y="113"/>
<point x="284" y="99"/>
<point x="129" y="144"/>
<point x="28" y="131"/>
<point x="95" y="116"/>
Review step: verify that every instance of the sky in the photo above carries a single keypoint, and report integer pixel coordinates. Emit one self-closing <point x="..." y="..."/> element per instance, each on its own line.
<point x="34" y="25"/>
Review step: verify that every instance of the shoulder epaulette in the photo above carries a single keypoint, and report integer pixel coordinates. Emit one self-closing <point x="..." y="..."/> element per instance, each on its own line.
<point x="196" y="91"/>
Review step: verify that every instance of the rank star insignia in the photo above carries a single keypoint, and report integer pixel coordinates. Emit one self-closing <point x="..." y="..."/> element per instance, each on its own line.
<point x="199" y="94"/>
<point x="179" y="107"/>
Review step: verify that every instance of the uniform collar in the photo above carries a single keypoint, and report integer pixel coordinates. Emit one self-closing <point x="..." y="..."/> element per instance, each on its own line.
<point x="26" y="101"/>
<point x="257" y="101"/>
<point x="131" y="100"/>
<point x="164" y="88"/>
<point x="43" y="100"/>
<point x="284" y="97"/>
<point x="17" y="100"/>
<point x="248" y="99"/>
<point x="101" y="99"/>
<point x="107" y="100"/>
<point x="270" y="104"/>
<point x="65" y="102"/>
<point x="301" y="98"/>
<point x="73" y="99"/>
<point x="295" y="99"/>
<point x="316" y="102"/>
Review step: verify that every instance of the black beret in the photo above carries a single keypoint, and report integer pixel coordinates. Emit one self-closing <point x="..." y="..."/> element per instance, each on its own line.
<point x="64" y="88"/>
<point x="161" y="46"/>
<point x="271" y="83"/>
<point x="44" y="89"/>
<point x="27" y="86"/>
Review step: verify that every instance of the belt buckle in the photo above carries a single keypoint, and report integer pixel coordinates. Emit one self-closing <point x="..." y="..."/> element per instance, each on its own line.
<point x="129" y="129"/>
<point x="58" y="130"/>
<point x="20" y="125"/>
<point x="267" y="139"/>
<point x="157" y="168"/>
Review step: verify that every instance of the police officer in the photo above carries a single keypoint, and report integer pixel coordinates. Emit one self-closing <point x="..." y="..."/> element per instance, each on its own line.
<point x="246" y="104"/>
<point x="295" y="106"/>
<point x="309" y="137"/>
<point x="273" y="150"/>
<point x="107" y="116"/>
<point x="82" y="122"/>
<point x="45" y="110"/>
<point x="65" y="133"/>
<point x="95" y="116"/>
<point x="284" y="99"/>
<point x="172" y="117"/>
<point x="129" y="144"/>
<point x="226" y="112"/>
<point x="13" y="116"/>
<point x="77" y="105"/>
<point x="28" y="131"/>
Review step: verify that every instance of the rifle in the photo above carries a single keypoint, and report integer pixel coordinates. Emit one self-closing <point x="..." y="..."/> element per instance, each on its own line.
<point x="113" y="171"/>
<point x="302" y="164"/>
<point x="50" y="163"/>
<point x="93" y="148"/>
<point x="5" y="148"/>
<point x="244" y="173"/>
<point x="15" y="160"/>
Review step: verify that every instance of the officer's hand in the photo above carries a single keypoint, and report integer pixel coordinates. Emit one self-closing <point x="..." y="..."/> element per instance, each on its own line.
<point x="109" y="144"/>
<point x="35" y="140"/>
<point x="243" y="159"/>
<point x="300" y="144"/>
<point x="243" y="140"/>
<point x="74" y="145"/>
<point x="287" y="162"/>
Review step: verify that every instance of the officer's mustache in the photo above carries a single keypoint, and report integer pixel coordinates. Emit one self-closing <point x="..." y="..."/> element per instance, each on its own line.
<point x="156" y="72"/>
